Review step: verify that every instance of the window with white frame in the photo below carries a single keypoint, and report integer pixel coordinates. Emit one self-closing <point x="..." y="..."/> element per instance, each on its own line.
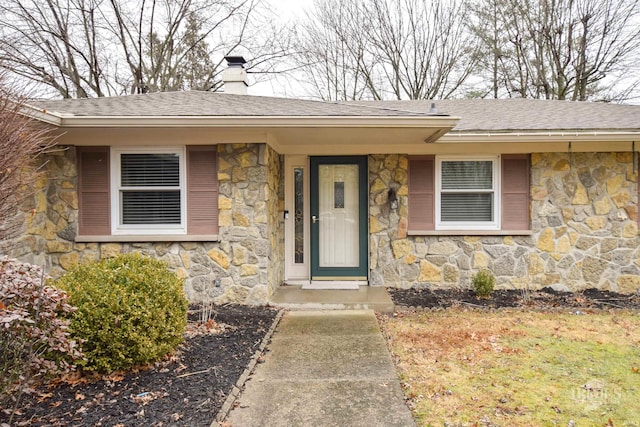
<point x="149" y="190"/>
<point x="467" y="193"/>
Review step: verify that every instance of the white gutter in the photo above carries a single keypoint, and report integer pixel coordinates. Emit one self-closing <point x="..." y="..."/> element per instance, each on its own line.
<point x="540" y="137"/>
<point x="41" y="115"/>
<point x="258" y="121"/>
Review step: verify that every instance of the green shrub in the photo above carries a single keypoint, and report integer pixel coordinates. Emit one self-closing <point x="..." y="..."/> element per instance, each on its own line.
<point x="131" y="310"/>
<point x="483" y="283"/>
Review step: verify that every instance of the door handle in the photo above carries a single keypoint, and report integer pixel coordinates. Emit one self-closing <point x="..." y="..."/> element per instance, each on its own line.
<point x="314" y="219"/>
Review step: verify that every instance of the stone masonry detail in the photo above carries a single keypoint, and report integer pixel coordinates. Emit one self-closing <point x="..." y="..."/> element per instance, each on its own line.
<point x="250" y="183"/>
<point x="245" y="266"/>
<point x="584" y="230"/>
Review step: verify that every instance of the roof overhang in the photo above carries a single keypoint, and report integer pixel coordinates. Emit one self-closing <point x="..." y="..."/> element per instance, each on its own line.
<point x="287" y="134"/>
<point x="329" y="135"/>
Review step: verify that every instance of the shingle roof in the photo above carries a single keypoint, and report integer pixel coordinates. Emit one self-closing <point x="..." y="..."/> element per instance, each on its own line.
<point x="480" y="115"/>
<point x="210" y="104"/>
<point x="501" y="115"/>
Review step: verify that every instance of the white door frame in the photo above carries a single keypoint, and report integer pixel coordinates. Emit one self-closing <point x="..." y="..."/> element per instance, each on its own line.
<point x="295" y="272"/>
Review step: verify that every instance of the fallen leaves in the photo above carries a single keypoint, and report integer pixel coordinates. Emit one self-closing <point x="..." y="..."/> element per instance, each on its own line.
<point x="145" y="397"/>
<point x="44" y="396"/>
<point x="210" y="327"/>
<point x="114" y="377"/>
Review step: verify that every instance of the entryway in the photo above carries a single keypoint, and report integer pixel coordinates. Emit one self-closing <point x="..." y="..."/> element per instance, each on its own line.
<point x="326" y="221"/>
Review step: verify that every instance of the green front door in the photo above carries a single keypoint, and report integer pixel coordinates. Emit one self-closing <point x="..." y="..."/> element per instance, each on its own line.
<point x="339" y="233"/>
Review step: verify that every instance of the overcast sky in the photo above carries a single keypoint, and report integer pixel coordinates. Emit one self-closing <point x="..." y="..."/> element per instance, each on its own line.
<point x="291" y="8"/>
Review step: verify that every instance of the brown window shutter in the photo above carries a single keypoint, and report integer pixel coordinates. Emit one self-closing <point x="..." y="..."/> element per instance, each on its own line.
<point x="202" y="190"/>
<point x="93" y="191"/>
<point x="515" y="192"/>
<point x="421" y="193"/>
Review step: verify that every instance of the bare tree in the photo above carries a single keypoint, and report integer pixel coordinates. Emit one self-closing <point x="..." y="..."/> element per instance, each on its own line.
<point x="53" y="43"/>
<point x="331" y="56"/>
<point x="378" y="49"/>
<point x="82" y="48"/>
<point x="22" y="141"/>
<point x="489" y="29"/>
<point x="560" y="49"/>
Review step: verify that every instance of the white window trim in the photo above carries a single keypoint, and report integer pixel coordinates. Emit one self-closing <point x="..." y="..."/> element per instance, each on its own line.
<point x="152" y="229"/>
<point x="295" y="271"/>
<point x="468" y="225"/>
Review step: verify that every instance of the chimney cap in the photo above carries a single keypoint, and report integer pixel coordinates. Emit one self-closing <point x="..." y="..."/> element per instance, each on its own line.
<point x="235" y="61"/>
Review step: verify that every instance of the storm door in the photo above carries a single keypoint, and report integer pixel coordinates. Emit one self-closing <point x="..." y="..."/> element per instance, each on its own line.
<point x="338" y="193"/>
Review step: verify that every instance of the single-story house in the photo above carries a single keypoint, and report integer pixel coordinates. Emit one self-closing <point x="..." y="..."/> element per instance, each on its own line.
<point x="242" y="194"/>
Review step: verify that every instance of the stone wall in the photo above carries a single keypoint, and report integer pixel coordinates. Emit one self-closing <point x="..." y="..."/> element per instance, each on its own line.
<point x="49" y="214"/>
<point x="387" y="227"/>
<point x="585" y="220"/>
<point x="584" y="231"/>
<point x="244" y="266"/>
<point x="275" y="208"/>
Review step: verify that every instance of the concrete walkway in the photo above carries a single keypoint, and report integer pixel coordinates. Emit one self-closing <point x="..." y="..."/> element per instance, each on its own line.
<point x="363" y="298"/>
<point x="324" y="368"/>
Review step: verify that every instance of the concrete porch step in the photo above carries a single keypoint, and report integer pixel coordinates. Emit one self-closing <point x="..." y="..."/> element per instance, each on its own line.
<point x="365" y="297"/>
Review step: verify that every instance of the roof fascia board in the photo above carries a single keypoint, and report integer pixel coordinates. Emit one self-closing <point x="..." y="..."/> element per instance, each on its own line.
<point x="261" y="121"/>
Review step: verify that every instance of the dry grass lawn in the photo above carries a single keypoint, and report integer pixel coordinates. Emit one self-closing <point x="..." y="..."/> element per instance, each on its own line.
<point x="518" y="368"/>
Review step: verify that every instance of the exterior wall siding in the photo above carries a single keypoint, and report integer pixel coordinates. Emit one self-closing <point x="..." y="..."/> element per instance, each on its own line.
<point x="584" y="230"/>
<point x="245" y="266"/>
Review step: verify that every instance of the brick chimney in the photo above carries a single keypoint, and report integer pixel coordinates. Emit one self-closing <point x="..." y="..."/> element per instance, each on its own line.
<point x="234" y="76"/>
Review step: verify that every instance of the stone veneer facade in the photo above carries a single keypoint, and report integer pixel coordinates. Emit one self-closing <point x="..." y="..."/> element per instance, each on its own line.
<point x="584" y="230"/>
<point x="245" y="266"/>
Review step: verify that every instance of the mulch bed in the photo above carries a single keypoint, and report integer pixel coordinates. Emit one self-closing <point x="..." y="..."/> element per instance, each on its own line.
<point x="186" y="390"/>
<point x="190" y="388"/>
<point x="546" y="298"/>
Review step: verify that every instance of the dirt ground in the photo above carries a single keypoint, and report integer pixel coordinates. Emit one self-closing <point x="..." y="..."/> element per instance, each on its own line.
<point x="545" y="298"/>
<point x="186" y="390"/>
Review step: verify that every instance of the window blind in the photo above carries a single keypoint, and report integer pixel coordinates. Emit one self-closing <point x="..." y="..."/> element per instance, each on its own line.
<point x="466" y="207"/>
<point x="151" y="207"/>
<point x="150" y="170"/>
<point x="467" y="175"/>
